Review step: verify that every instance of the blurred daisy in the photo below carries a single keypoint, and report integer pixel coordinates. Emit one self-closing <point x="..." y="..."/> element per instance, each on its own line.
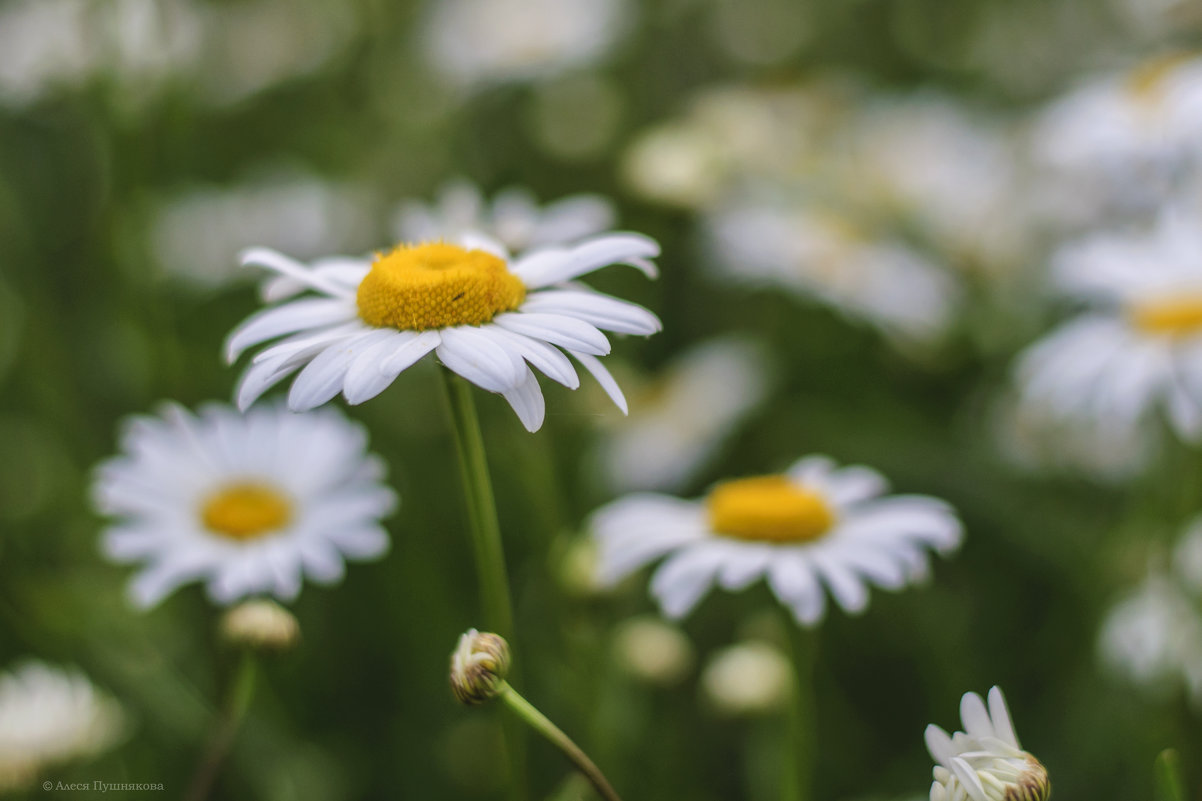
<point x="816" y="524"/>
<point x="196" y="234"/>
<point x="49" y="716"/>
<point x="248" y="503"/>
<point x="479" y="42"/>
<point x="750" y="678"/>
<point x="883" y="282"/>
<point x="514" y="217"/>
<point x="1140" y="349"/>
<point x="681" y="419"/>
<point x="482" y="313"/>
<point x="1121" y="141"/>
<point x="984" y="762"/>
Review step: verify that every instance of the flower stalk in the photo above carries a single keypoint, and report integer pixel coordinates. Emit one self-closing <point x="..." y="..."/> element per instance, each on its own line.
<point x="238" y="697"/>
<point x="797" y="774"/>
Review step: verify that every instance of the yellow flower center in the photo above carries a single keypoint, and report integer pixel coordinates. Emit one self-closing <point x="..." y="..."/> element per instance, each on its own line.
<point x="1178" y="316"/>
<point x="768" y="509"/>
<point x="437" y="285"/>
<point x="246" y="511"/>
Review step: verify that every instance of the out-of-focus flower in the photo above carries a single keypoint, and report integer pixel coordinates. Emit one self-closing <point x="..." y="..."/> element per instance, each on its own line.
<point x="253" y="46"/>
<point x="484" y="314"/>
<point x="480" y="42"/>
<point x="731" y="134"/>
<point x="1140" y="349"/>
<point x="138" y="44"/>
<point x="50" y="716"/>
<point x="197" y="234"/>
<point x="1153" y="635"/>
<point x="1121" y="142"/>
<point x="882" y="282"/>
<point x="653" y="651"/>
<point x="681" y="419"/>
<point x="984" y="762"/>
<point x="514" y="217"/>
<point x="952" y="173"/>
<point x="815" y="525"/>
<point x="240" y="501"/>
<point x="751" y="678"/>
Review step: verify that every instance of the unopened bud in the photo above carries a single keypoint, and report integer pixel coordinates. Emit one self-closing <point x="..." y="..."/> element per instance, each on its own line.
<point x="751" y="678"/>
<point x="260" y="625"/>
<point x="479" y="667"/>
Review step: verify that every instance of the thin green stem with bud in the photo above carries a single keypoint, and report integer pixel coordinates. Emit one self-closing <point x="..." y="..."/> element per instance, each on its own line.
<point x="241" y="691"/>
<point x="543" y="725"/>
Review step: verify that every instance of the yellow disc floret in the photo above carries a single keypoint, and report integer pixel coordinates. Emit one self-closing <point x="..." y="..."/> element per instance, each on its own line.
<point x="246" y="511"/>
<point x="1174" y="316"/>
<point x="768" y="509"/>
<point x="437" y="285"/>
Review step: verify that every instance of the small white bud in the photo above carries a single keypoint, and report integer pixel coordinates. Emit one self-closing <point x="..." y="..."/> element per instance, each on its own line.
<point x="479" y="666"/>
<point x="260" y="625"/>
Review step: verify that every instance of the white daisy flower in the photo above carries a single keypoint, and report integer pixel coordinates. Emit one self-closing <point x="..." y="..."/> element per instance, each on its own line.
<point x="514" y="217"/>
<point x="49" y="716"/>
<point x="817" y="524"/>
<point x="684" y="416"/>
<point x="482" y="313"/>
<point x="984" y="762"/>
<point x="248" y="503"/>
<point x="1121" y="141"/>
<point x="882" y="282"/>
<point x="476" y="43"/>
<point x="1139" y="350"/>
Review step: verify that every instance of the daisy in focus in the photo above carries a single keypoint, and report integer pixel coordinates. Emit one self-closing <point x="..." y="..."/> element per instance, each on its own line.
<point x="984" y="762"/>
<point x="487" y="317"/>
<point x="1138" y="351"/>
<point x="514" y="217"/>
<point x="815" y="527"/>
<point x="248" y="503"/>
<point x="49" y="716"/>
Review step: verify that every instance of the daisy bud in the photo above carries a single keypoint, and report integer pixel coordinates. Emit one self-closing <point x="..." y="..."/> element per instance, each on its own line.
<point x="751" y="678"/>
<point x="984" y="762"/>
<point x="260" y="625"/>
<point x="653" y="651"/>
<point x="478" y="667"/>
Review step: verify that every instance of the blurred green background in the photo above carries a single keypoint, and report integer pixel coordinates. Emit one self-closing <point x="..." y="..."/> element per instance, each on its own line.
<point x="132" y="111"/>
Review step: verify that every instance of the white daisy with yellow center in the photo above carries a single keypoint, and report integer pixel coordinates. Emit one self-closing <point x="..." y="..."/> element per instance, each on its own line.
<point x="248" y="503"/>
<point x="815" y="525"/>
<point x="1139" y="349"/>
<point x="486" y="316"/>
<point x="984" y="762"/>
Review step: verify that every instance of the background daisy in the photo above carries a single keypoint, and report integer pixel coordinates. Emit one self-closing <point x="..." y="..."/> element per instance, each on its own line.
<point x="248" y="504"/>
<point x="814" y="528"/>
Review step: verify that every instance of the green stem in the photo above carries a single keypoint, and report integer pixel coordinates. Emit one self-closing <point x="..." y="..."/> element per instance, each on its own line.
<point x="491" y="575"/>
<point x="238" y="698"/>
<point x="797" y="777"/>
<point x="541" y="724"/>
<point x="481" y="507"/>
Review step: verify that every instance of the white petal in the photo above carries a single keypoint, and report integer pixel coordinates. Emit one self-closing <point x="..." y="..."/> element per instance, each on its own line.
<point x="744" y="564"/>
<point x="557" y="329"/>
<point x="527" y="401"/>
<point x="847" y="588"/>
<point x="605" y="312"/>
<point x="968" y="778"/>
<point x="480" y="358"/>
<point x="793" y="581"/>
<point x="299" y="315"/>
<point x="684" y="578"/>
<point x="546" y="358"/>
<point x="975" y="717"/>
<point x="607" y="382"/>
<point x="322" y="378"/>
<point x="1000" y="715"/>
<point x="273" y="260"/>
<point x="364" y="379"/>
<point x="407" y="353"/>
<point x="555" y="265"/>
<point x="939" y="744"/>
